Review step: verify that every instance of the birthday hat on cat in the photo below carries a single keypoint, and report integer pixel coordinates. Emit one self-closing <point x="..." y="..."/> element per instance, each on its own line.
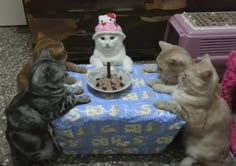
<point x="108" y="27"/>
<point x="109" y="17"/>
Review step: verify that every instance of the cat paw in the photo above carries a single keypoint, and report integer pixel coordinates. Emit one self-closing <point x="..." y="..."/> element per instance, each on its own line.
<point x="152" y="82"/>
<point x="70" y="80"/>
<point x="97" y="64"/>
<point x="76" y="90"/>
<point x="82" y="99"/>
<point x="150" y="68"/>
<point x="128" y="68"/>
<point x="81" y="69"/>
<point x="158" y="88"/>
<point x="162" y="88"/>
<point x="160" y="105"/>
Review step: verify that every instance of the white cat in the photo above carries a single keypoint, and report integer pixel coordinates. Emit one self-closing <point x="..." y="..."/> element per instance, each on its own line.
<point x="110" y="48"/>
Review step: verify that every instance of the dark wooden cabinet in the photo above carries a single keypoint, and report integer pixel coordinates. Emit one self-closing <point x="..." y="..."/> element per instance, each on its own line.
<point x="143" y="22"/>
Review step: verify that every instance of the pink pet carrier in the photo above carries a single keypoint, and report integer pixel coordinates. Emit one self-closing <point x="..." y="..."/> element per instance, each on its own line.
<point x="206" y="32"/>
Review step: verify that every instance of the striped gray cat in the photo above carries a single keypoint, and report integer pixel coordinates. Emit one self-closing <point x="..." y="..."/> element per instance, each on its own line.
<point x="30" y="113"/>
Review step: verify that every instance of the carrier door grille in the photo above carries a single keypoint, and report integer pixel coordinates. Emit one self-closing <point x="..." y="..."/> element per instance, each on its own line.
<point x="217" y="47"/>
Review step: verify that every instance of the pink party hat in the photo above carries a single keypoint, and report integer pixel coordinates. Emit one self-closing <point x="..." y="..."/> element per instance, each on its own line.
<point x="109" y="28"/>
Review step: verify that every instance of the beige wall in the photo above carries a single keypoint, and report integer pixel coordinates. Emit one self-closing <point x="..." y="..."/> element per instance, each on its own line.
<point x="12" y="13"/>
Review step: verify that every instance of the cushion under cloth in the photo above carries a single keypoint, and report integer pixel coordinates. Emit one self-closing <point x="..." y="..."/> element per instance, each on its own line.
<point x="122" y="123"/>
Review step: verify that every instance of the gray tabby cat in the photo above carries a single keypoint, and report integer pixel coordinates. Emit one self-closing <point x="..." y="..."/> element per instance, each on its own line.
<point x="196" y="99"/>
<point x="171" y="61"/>
<point x="31" y="112"/>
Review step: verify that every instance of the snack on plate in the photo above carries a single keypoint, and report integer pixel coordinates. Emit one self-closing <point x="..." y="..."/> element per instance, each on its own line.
<point x="112" y="83"/>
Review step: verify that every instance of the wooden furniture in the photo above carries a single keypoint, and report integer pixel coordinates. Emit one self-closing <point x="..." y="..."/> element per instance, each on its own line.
<point x="143" y="22"/>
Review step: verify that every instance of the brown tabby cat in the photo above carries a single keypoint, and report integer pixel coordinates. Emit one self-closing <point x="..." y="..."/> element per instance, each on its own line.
<point x="171" y="61"/>
<point x="57" y="52"/>
<point x="196" y="99"/>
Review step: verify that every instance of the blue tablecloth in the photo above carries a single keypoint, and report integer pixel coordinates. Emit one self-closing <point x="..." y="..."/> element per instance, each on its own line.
<point x="123" y="123"/>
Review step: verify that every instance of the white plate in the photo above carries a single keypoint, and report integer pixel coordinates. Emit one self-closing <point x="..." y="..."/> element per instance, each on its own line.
<point x="97" y="73"/>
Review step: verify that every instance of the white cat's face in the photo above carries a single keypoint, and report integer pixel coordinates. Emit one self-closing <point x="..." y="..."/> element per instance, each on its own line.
<point x="108" y="41"/>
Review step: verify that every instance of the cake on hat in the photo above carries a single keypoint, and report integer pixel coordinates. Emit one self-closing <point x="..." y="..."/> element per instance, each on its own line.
<point x="109" y="17"/>
<point x="107" y="24"/>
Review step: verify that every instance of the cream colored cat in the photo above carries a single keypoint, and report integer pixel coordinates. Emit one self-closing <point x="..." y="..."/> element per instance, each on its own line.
<point x="171" y="61"/>
<point x="196" y="99"/>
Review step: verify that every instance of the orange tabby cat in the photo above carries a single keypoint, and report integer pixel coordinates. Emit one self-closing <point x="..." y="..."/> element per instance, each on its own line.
<point x="171" y="61"/>
<point x="57" y="52"/>
<point x="196" y="99"/>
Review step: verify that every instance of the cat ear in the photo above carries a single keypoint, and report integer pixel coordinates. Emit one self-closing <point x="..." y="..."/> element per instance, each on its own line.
<point x="114" y="15"/>
<point x="100" y="19"/>
<point x="206" y="58"/>
<point x="45" y="54"/>
<point x="194" y="61"/>
<point x="41" y="36"/>
<point x="165" y="45"/>
<point x="206" y="75"/>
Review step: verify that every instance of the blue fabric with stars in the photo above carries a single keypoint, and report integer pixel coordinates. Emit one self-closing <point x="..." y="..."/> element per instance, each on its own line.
<point x="120" y="123"/>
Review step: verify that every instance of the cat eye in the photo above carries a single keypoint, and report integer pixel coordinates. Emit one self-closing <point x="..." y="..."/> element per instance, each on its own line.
<point x="50" y="70"/>
<point x="184" y="75"/>
<point x="103" y="38"/>
<point x="59" y="57"/>
<point x="112" y="37"/>
<point x="64" y="53"/>
<point x="110" y="19"/>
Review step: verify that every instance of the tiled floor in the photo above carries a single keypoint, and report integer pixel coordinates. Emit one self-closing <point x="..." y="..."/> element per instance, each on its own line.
<point x="15" y="49"/>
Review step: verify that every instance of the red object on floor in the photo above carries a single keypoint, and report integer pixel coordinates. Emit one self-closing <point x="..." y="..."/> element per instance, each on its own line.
<point x="228" y="83"/>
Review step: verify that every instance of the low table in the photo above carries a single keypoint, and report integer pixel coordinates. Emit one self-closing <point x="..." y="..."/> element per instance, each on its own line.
<point x="122" y="123"/>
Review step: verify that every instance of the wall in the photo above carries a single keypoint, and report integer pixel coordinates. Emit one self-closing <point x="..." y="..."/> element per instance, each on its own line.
<point x="12" y="13"/>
